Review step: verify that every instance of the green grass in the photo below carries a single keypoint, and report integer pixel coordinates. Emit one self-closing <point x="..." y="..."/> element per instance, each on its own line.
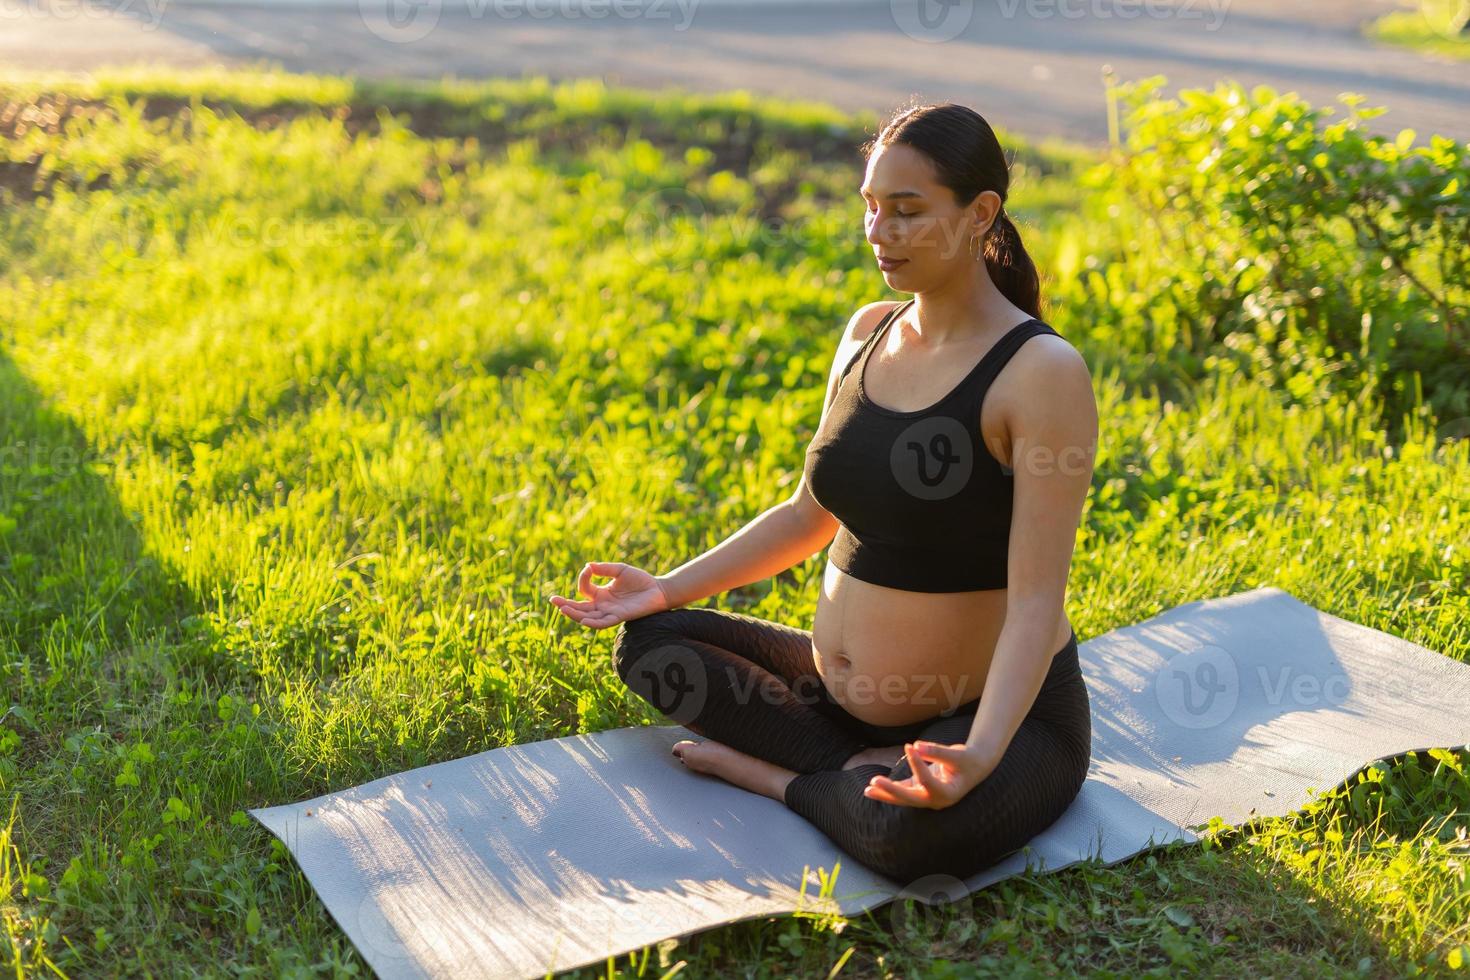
<point x="1414" y="29"/>
<point x="306" y="410"/>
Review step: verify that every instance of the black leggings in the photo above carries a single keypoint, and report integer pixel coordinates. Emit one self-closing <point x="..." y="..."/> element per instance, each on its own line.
<point x="752" y="684"/>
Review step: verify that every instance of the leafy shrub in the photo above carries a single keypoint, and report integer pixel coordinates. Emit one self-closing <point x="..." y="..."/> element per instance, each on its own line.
<point x="1251" y="227"/>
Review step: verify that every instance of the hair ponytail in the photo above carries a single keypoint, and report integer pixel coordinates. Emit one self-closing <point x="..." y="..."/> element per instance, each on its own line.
<point x="1010" y="267"/>
<point x="968" y="159"/>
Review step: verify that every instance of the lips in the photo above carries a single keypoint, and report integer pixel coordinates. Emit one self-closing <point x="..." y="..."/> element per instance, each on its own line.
<point x="888" y="265"/>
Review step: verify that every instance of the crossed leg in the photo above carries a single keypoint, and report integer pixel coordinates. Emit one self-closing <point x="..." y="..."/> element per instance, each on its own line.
<point x="1039" y="775"/>
<point x="751" y="686"/>
<point x="746" y="682"/>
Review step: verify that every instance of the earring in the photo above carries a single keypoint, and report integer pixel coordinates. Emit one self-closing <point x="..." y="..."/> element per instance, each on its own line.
<point x="974" y="254"/>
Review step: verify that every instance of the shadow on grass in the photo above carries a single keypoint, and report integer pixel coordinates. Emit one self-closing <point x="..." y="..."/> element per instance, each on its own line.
<point x="95" y="635"/>
<point x="78" y="592"/>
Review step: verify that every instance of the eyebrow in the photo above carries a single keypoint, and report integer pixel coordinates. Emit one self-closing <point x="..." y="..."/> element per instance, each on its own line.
<point x="895" y="194"/>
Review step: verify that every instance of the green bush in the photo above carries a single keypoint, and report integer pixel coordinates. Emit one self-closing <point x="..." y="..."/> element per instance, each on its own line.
<point x="1250" y="227"/>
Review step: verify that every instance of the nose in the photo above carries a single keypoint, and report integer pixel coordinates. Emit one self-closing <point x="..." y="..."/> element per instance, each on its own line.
<point x="879" y="231"/>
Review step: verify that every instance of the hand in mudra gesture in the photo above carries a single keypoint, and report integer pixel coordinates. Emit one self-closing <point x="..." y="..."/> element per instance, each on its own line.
<point x="941" y="775"/>
<point x="632" y="594"/>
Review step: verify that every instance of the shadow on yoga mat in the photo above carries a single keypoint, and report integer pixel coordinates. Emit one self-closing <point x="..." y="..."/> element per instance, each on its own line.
<point x="547" y="856"/>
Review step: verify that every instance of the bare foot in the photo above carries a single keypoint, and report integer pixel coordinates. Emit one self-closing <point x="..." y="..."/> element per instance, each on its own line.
<point x="878" y="755"/>
<point x="735" y="767"/>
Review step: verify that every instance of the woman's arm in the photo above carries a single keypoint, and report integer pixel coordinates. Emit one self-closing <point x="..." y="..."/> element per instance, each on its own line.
<point x="771" y="543"/>
<point x="784" y="535"/>
<point x="1053" y="449"/>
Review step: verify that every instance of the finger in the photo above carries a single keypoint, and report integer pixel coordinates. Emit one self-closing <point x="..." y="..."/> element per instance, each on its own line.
<point x="584" y="581"/>
<point x="601" y="569"/>
<point x="597" y="618"/>
<point x="574" y="604"/>
<point x="904" y="792"/>
<point x="574" y="615"/>
<point x="921" y="769"/>
<point x="585" y="613"/>
<point x="915" y="794"/>
<point x="883" y="796"/>
<point x="882" y="791"/>
<point x="941" y="753"/>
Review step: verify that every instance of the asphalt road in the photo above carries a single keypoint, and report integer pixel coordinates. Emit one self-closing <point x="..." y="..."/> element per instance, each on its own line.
<point x="1032" y="66"/>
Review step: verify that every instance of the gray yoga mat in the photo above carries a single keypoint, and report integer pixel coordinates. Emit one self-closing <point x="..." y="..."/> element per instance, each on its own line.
<point x="538" y="858"/>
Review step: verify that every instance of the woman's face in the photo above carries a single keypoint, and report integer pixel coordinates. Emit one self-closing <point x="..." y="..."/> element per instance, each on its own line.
<point x="912" y="218"/>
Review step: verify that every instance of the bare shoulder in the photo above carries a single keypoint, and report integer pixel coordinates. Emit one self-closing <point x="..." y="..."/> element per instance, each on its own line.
<point x="1049" y="352"/>
<point x="859" y="328"/>
<point x="863" y="322"/>
<point x="1047" y="363"/>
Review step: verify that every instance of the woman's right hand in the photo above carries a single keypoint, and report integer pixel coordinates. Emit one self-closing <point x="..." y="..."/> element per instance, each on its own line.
<point x="632" y="594"/>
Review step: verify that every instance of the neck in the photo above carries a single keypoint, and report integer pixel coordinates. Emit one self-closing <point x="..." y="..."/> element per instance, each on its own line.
<point x="961" y="310"/>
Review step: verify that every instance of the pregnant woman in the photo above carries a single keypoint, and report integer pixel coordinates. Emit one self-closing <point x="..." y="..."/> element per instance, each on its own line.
<point x="934" y="718"/>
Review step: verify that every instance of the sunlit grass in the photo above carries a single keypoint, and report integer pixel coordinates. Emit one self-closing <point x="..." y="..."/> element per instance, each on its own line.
<point x="303" y="422"/>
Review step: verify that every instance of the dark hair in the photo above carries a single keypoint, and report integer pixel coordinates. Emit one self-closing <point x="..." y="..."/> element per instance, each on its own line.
<point x="968" y="159"/>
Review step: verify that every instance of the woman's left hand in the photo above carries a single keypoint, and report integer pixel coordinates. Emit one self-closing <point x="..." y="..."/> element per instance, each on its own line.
<point x="942" y="775"/>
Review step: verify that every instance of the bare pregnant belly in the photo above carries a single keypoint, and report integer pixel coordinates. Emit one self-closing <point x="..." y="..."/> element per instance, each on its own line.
<point x="892" y="657"/>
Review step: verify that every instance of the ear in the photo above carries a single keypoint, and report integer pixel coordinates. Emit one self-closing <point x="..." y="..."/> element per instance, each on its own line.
<point x="983" y="212"/>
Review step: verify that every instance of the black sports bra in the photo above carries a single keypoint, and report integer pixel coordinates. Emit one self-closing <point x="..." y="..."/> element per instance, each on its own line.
<point x="923" y="505"/>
